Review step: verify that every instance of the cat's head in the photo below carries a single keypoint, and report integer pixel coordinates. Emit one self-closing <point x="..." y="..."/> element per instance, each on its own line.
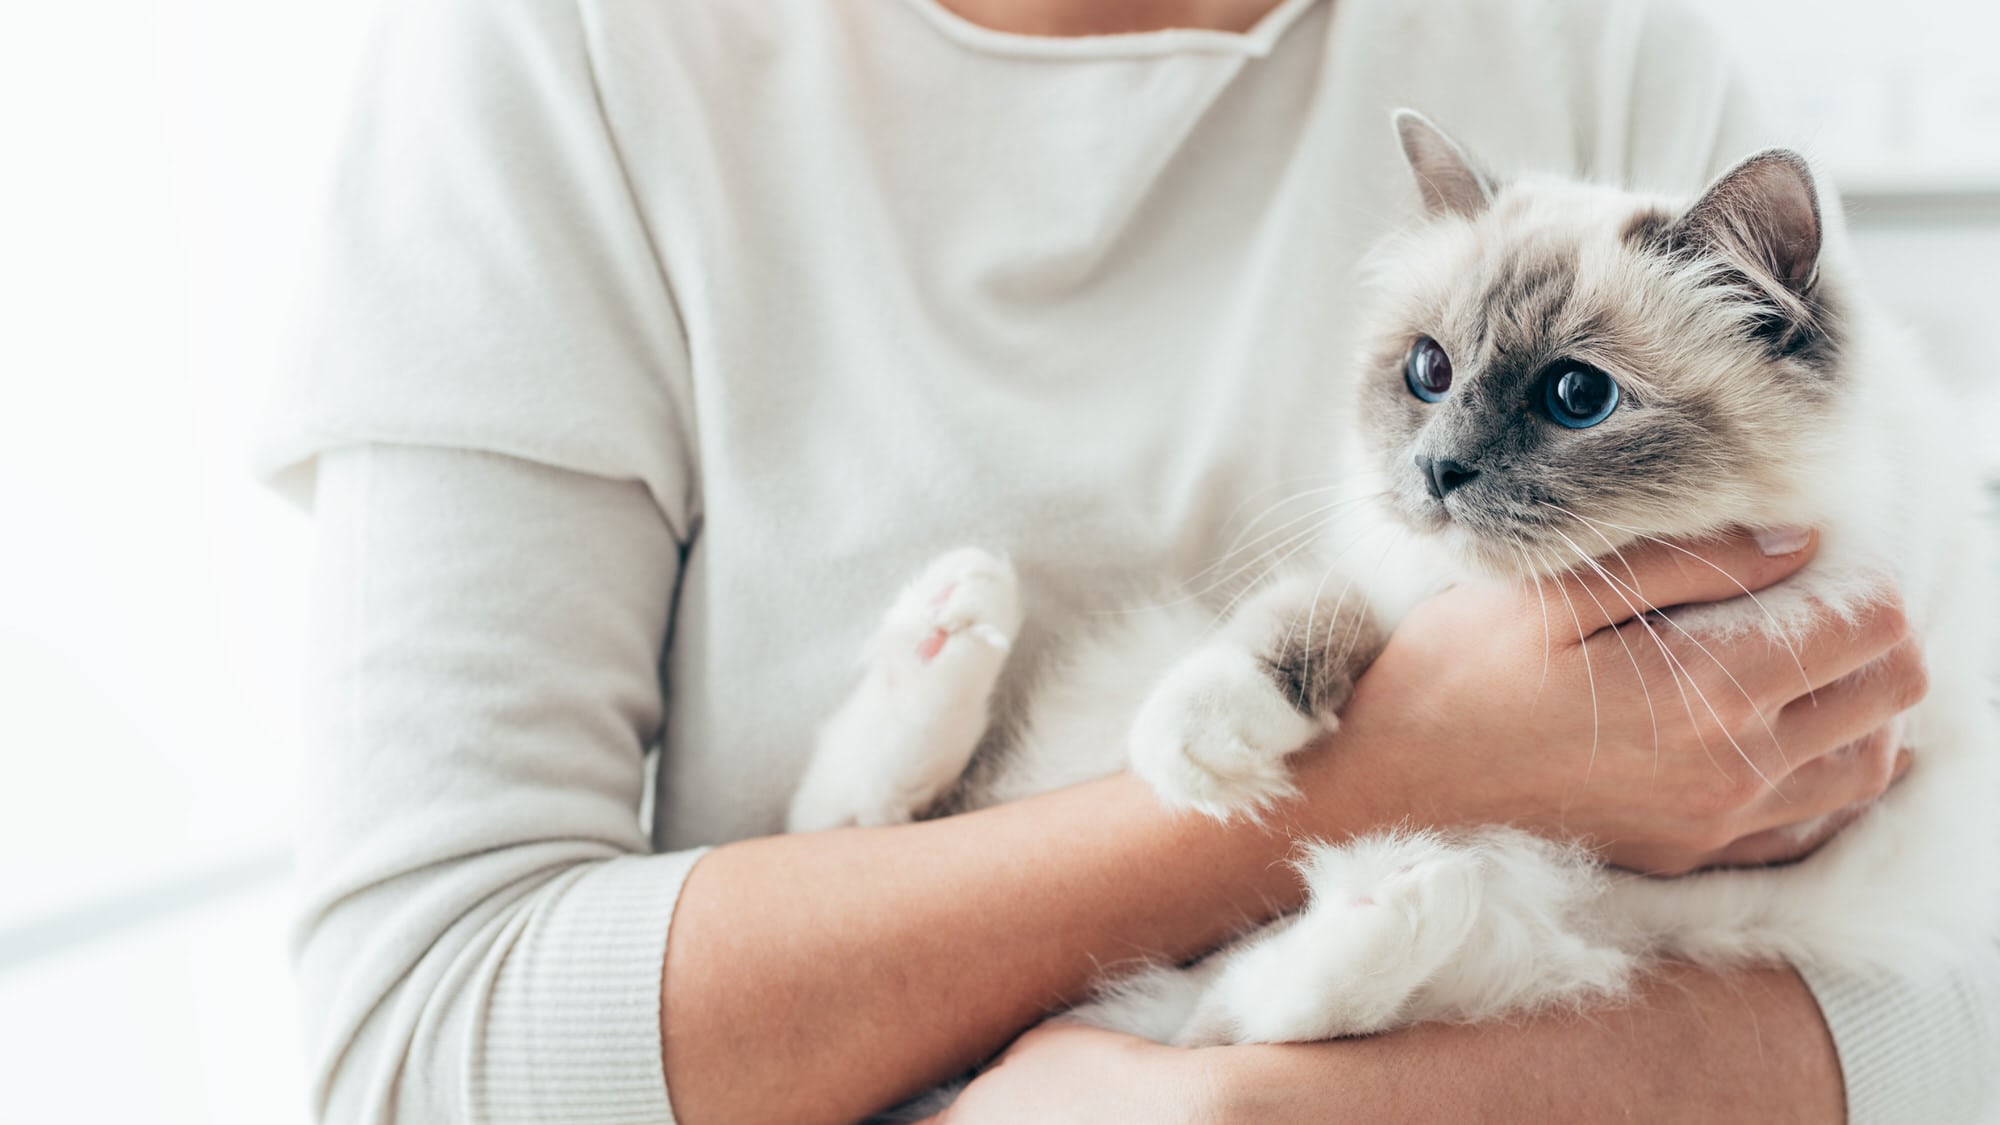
<point x="1557" y="368"/>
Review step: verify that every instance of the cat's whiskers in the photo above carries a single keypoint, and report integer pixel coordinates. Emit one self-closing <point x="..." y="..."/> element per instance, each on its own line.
<point x="1651" y="714"/>
<point x="1333" y="564"/>
<point x="1696" y="641"/>
<point x="1590" y="676"/>
<point x="1677" y="670"/>
<point x="1237" y="543"/>
<point x="1717" y="661"/>
<point x="1548" y="639"/>
<point x="1297" y="545"/>
<point x="1674" y="667"/>
<point x="1333" y="618"/>
<point x="1268" y="486"/>
<point x="1396" y="536"/>
<point x="1291" y="537"/>
<point x="1281" y="551"/>
<point x="1299" y="542"/>
<point x="1777" y="630"/>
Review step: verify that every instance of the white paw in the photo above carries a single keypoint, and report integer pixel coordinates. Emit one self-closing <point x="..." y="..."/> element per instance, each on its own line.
<point x="901" y="740"/>
<point x="1385" y="918"/>
<point x="964" y="597"/>
<point x="1214" y="735"/>
<point x="1152" y="1003"/>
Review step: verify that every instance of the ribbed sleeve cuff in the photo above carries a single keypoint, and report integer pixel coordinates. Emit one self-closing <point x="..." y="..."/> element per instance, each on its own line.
<point x="573" y="1031"/>
<point x="1916" y="1050"/>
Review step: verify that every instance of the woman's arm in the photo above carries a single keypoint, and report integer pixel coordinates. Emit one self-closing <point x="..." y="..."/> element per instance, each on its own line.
<point x="1747" y="1046"/>
<point x="1686" y="1046"/>
<point x="485" y="936"/>
<point x="820" y="977"/>
<point x="481" y="926"/>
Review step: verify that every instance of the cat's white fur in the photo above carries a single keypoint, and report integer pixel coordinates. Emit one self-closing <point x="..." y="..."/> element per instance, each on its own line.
<point x="1411" y="926"/>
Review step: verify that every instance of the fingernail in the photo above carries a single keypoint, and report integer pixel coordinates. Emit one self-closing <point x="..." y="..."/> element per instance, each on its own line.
<point x="1775" y="541"/>
<point x="1903" y="760"/>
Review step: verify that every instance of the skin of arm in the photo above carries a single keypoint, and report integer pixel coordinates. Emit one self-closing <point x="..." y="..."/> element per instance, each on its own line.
<point x="1687" y="1045"/>
<point x="1746" y="1046"/>
<point x="822" y="977"/>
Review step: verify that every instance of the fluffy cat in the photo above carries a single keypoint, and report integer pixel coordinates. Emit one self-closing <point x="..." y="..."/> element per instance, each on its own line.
<point x="1625" y="367"/>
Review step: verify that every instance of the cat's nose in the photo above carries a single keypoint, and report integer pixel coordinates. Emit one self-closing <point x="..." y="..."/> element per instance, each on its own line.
<point x="1442" y="474"/>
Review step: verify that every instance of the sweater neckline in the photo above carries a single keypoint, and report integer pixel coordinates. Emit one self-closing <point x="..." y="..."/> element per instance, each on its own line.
<point x="1257" y="42"/>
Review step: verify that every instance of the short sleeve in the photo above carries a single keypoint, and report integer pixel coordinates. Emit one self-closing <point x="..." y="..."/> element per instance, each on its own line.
<point x="486" y="280"/>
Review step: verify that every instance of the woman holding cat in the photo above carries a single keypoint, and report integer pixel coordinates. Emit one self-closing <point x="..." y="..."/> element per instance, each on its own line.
<point x="670" y="336"/>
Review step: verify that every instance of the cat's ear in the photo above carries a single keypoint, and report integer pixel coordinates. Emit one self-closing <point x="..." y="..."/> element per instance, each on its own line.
<point x="1450" y="181"/>
<point x="1763" y="216"/>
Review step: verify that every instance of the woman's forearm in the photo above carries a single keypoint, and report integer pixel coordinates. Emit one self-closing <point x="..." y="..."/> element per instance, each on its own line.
<point x="1690" y="1045"/>
<point x="820" y="977"/>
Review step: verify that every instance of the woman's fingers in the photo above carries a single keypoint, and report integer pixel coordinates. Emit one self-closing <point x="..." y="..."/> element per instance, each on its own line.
<point x="1725" y="677"/>
<point x="1845" y="778"/>
<point x="1657" y="574"/>
<point x="1836" y="649"/>
<point x="1748" y="753"/>
<point x="1797" y="839"/>
<point x="1844" y="746"/>
<point x="1783" y="845"/>
<point x="1863" y="699"/>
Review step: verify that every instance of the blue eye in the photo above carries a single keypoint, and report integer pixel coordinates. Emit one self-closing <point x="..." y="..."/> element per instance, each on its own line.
<point x="1579" y="396"/>
<point x="1427" y="371"/>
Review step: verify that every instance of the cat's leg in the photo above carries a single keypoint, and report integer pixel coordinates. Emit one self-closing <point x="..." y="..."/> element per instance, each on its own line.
<point x="1154" y="1002"/>
<point x="1216" y="730"/>
<point x="1413" y="926"/>
<point x="906" y="733"/>
<point x="1383" y="920"/>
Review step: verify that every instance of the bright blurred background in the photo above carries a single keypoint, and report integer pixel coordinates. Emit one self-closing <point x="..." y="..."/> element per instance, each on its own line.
<point x="165" y="158"/>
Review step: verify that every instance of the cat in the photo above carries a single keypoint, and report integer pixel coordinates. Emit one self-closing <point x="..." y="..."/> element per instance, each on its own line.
<point x="1557" y="370"/>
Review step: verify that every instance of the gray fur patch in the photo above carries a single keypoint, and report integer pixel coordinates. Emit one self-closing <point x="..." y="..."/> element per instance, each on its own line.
<point x="1320" y="650"/>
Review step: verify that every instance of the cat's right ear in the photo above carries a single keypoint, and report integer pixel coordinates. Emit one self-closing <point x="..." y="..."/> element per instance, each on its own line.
<point x="1451" y="183"/>
<point x="1762" y="215"/>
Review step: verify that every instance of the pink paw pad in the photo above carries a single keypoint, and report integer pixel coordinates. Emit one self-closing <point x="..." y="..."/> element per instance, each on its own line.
<point x="929" y="647"/>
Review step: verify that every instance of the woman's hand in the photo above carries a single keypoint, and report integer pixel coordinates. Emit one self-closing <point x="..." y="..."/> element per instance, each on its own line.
<point x="1061" y="1073"/>
<point x="1563" y="711"/>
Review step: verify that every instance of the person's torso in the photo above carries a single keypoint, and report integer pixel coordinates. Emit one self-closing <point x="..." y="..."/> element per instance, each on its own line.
<point x="1087" y="302"/>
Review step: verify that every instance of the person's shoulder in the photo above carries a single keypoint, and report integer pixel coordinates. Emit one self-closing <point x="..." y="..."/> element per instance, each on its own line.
<point x="459" y="46"/>
<point x="503" y="60"/>
<point x="517" y="26"/>
<point x="693" y="31"/>
<point x="1576" y="87"/>
<point x="1555" y="32"/>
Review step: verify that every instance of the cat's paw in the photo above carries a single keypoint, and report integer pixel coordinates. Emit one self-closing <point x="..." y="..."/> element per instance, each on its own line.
<point x="902" y="739"/>
<point x="1152" y="1003"/>
<point x="1380" y="926"/>
<point x="1215" y="732"/>
<point x="964" y="597"/>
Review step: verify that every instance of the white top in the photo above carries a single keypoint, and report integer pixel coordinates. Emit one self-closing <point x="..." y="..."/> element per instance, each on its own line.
<point x="762" y="303"/>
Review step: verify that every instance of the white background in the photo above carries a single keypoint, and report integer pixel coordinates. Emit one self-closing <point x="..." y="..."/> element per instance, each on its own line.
<point x="162" y="160"/>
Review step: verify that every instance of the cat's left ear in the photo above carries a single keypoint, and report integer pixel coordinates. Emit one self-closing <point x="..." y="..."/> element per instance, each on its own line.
<point x="1450" y="182"/>
<point x="1762" y="215"/>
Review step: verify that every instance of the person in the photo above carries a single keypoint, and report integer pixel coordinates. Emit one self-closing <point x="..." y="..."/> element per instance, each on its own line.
<point x="652" y="346"/>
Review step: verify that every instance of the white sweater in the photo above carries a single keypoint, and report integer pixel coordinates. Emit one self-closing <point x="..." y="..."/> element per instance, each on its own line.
<point x="655" y="343"/>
